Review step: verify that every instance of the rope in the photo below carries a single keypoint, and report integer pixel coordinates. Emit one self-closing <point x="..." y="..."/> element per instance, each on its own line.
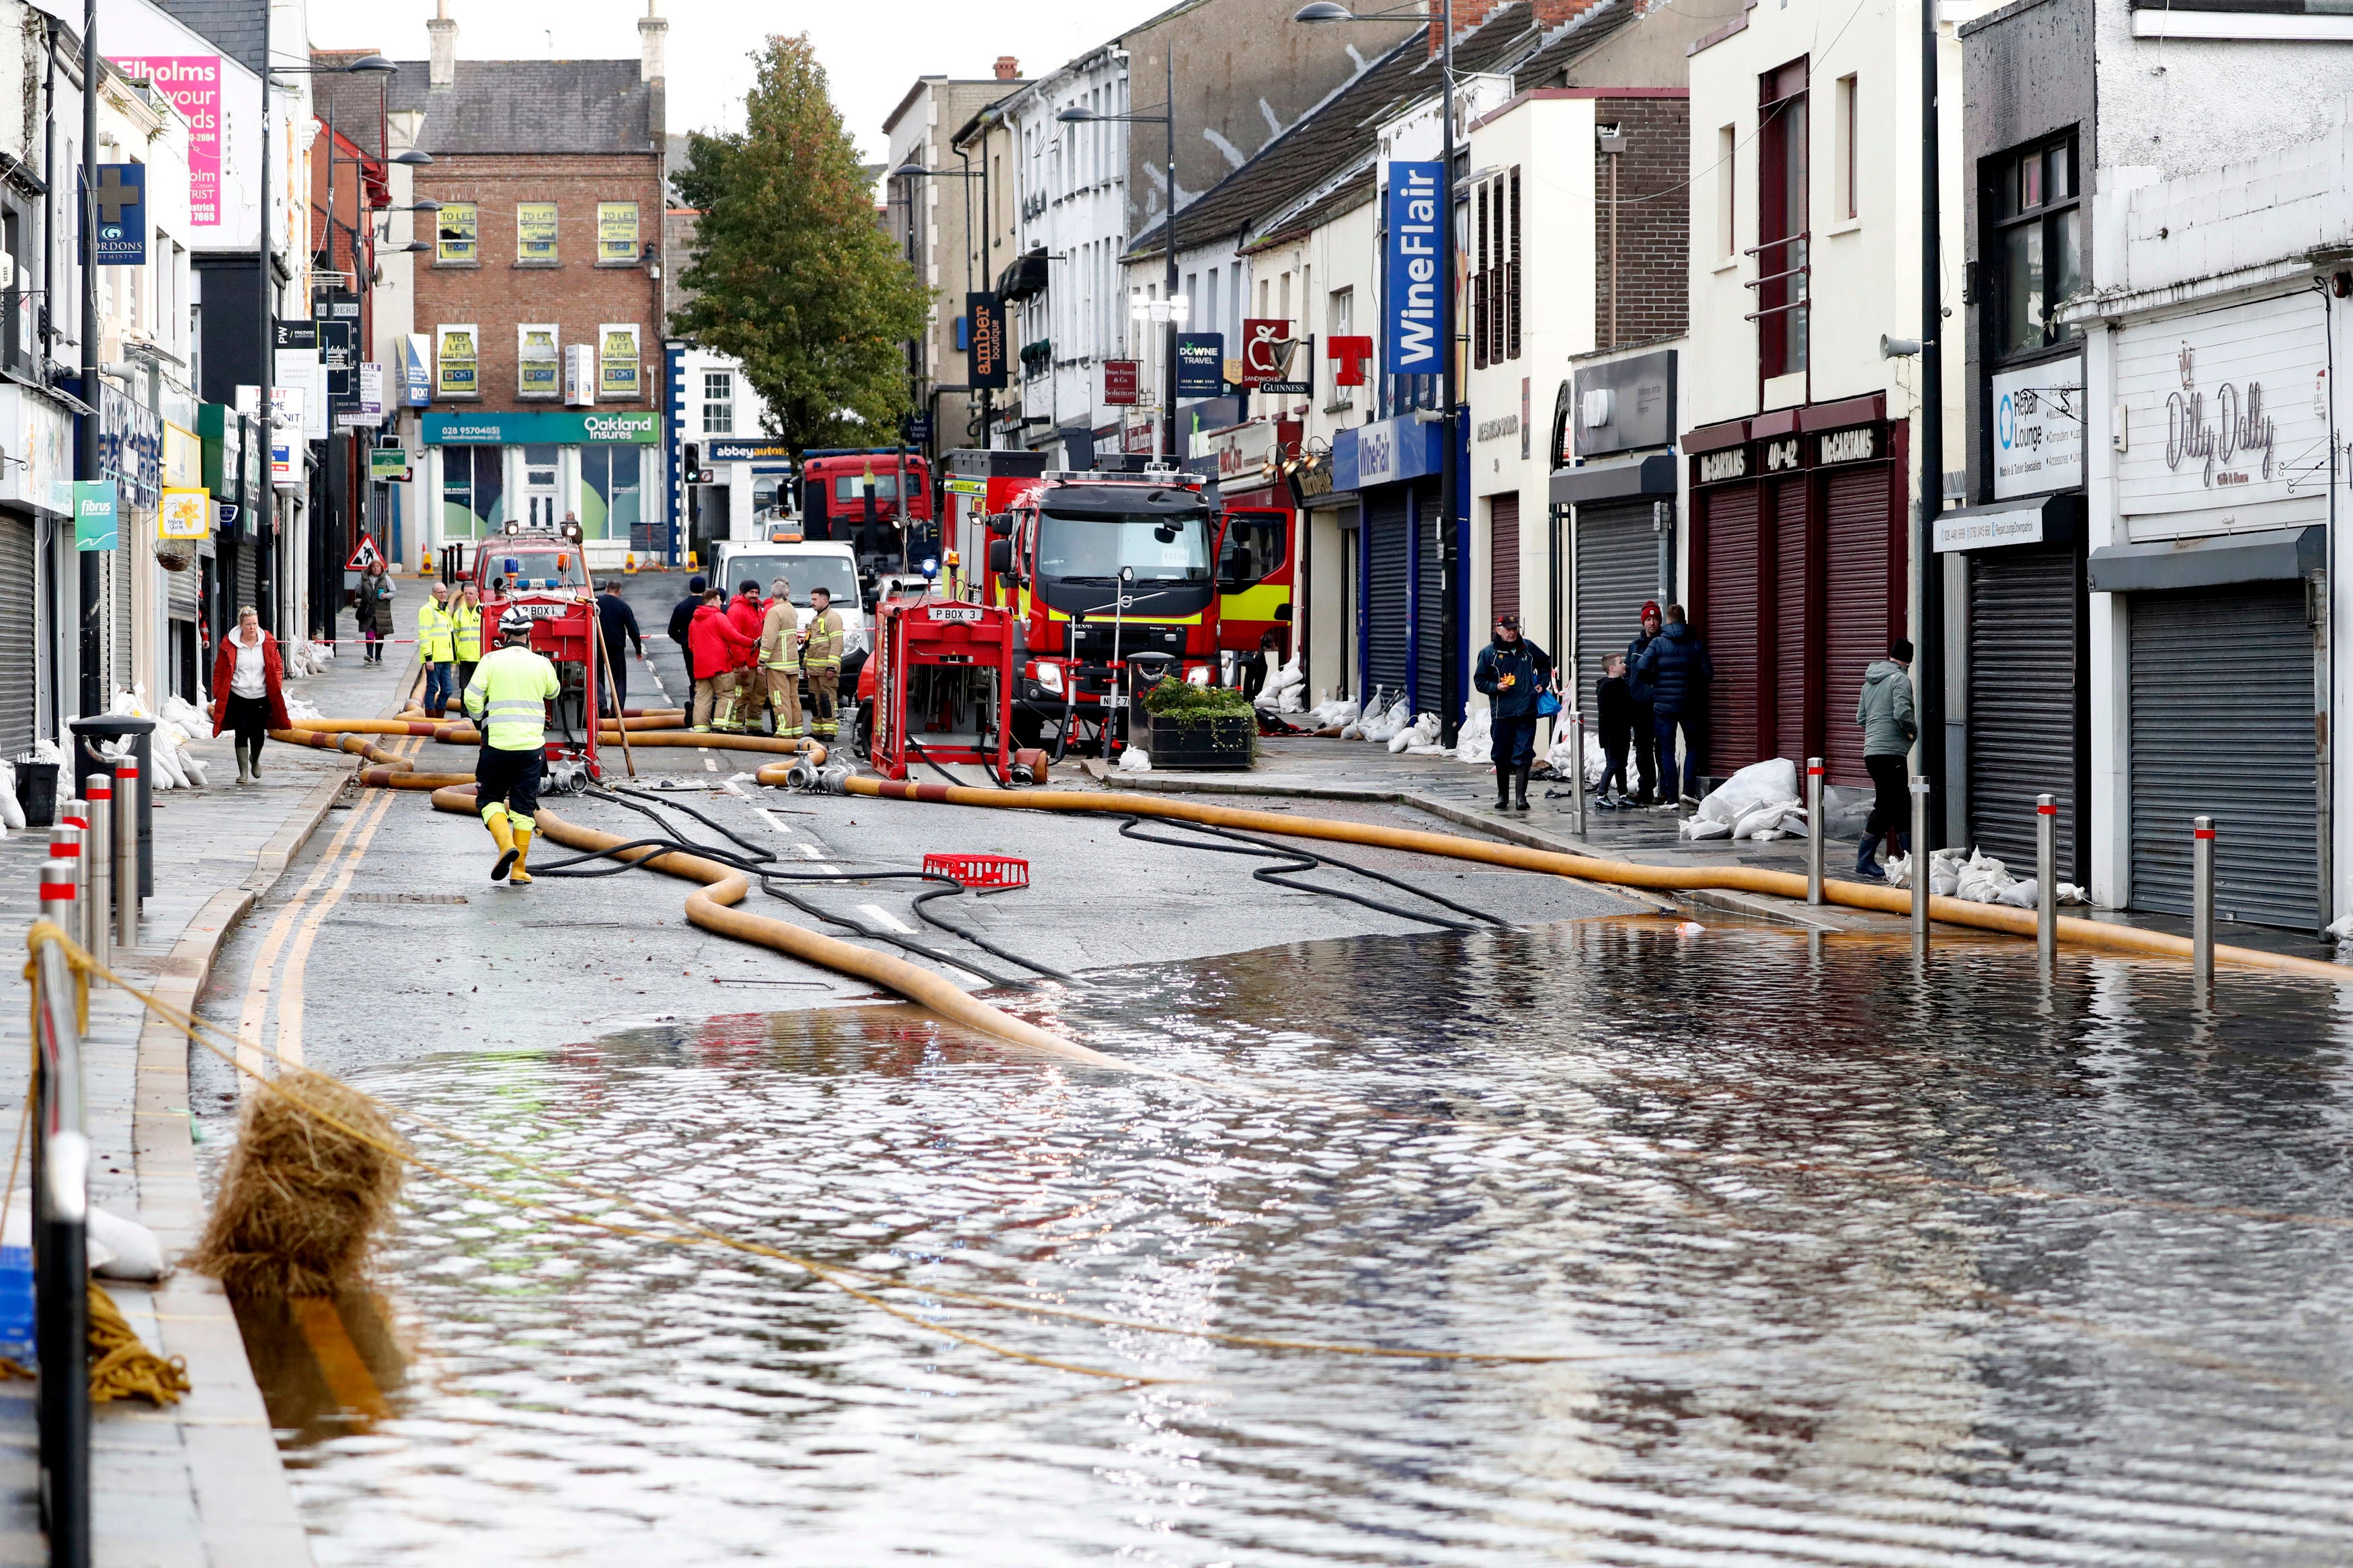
<point x="122" y="1368"/>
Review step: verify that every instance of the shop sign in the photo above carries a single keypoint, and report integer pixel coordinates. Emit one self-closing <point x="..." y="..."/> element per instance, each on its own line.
<point x="1139" y="437"/>
<point x="1246" y="448"/>
<point x="183" y="457"/>
<point x="1386" y="452"/>
<point x="1497" y="428"/>
<point x="1731" y="463"/>
<point x="1311" y="480"/>
<point x="1201" y="364"/>
<point x="1860" y="445"/>
<point x="1988" y="530"/>
<point x="120" y="197"/>
<point x="416" y="370"/>
<point x="387" y="462"/>
<point x="286" y="416"/>
<point x="1119" y="382"/>
<point x="1409" y="301"/>
<point x="184" y="514"/>
<point x="1782" y="455"/>
<point x="985" y="358"/>
<point x="457" y="362"/>
<point x="296" y="363"/>
<point x="1626" y="405"/>
<point x="129" y="447"/>
<point x="747" y="452"/>
<point x="371" y="407"/>
<point x="639" y="427"/>
<point x="192" y="83"/>
<point x="2038" y="428"/>
<point x="617" y="359"/>
<point x="94" y="523"/>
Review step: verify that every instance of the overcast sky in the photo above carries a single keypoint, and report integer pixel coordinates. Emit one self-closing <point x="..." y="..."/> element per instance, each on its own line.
<point x="872" y="50"/>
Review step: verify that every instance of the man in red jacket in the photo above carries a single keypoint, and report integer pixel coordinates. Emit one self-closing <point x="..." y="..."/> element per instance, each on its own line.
<point x="739" y="702"/>
<point x="717" y="648"/>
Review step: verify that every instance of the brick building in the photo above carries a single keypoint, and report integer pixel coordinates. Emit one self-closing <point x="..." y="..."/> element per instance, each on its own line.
<point x="541" y="305"/>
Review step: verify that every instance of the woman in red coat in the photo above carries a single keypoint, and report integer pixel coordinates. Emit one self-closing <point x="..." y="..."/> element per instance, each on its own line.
<point x="249" y="692"/>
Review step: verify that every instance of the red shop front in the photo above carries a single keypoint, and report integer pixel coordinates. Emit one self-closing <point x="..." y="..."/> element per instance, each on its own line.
<point x="1798" y="577"/>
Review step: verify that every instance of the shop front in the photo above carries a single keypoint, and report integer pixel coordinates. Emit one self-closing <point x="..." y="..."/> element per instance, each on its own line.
<point x="1393" y="467"/>
<point x="540" y="466"/>
<point x="1324" y="626"/>
<point x="131" y="453"/>
<point x="1797" y="568"/>
<point x="37" y="565"/>
<point x="1613" y="490"/>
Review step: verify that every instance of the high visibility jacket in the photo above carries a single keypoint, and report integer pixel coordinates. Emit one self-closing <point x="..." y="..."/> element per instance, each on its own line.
<point x="466" y="628"/>
<point x="436" y="641"/>
<point x="821" y="642"/>
<point x="779" y="636"/>
<point x="750" y="619"/>
<point x="508" y="697"/>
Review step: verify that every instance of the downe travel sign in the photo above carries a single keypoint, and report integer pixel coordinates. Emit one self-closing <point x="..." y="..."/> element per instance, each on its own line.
<point x="1409" y="296"/>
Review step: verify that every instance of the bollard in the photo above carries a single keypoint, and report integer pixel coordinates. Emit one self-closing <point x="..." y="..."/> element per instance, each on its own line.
<point x="59" y="874"/>
<point x="60" y="1178"/>
<point x="1813" y="830"/>
<point x="65" y="844"/>
<point x="2201" y="903"/>
<point x="1920" y="863"/>
<point x="98" y="868"/>
<point x="2046" y="883"/>
<point x="126" y="850"/>
<point x="1576" y="736"/>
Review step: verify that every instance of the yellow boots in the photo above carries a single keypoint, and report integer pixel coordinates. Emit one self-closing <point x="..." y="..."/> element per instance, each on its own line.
<point x="521" y="875"/>
<point x="502" y="833"/>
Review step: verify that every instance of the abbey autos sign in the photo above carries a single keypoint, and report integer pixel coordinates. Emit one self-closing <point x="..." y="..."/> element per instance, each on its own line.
<point x="1410" y="300"/>
<point x="542" y="427"/>
<point x="2222" y="420"/>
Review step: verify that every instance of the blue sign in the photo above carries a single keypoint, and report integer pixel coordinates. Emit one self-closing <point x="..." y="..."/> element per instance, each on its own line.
<point x="1385" y="453"/>
<point x="415" y="375"/>
<point x="1201" y="364"/>
<point x="1410" y="302"/>
<point x="94" y="523"/>
<point x="120" y="198"/>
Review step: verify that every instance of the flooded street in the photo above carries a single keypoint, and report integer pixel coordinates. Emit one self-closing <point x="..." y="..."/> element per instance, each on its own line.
<point x="1839" y="1268"/>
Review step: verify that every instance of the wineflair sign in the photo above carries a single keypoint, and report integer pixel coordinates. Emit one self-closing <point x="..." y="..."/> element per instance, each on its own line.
<point x="639" y="427"/>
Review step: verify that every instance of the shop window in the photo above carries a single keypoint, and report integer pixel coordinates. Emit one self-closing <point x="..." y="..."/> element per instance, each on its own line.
<point x="1781" y="217"/>
<point x="455" y="225"/>
<point x="473" y="487"/>
<point x="535" y="233"/>
<point x="612" y="490"/>
<point x="617" y="234"/>
<point x="719" y="403"/>
<point x="2037" y="244"/>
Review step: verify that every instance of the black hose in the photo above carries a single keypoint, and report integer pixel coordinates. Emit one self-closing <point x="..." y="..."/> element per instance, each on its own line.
<point x="925" y="757"/>
<point x="1301" y="861"/>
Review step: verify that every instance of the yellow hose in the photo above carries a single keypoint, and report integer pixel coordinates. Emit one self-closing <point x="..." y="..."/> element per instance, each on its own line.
<point x="710" y="907"/>
<point x="1739" y="878"/>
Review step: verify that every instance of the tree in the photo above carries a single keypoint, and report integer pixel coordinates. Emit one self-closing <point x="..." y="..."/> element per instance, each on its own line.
<point x="793" y="277"/>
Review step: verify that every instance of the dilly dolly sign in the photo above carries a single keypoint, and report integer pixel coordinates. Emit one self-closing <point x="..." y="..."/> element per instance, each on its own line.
<point x="1409" y="304"/>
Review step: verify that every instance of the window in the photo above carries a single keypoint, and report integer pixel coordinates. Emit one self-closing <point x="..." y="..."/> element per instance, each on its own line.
<point x="1843" y="149"/>
<point x="617" y="234"/>
<point x="1495" y="281"/>
<point x="1781" y="235"/>
<point x="472" y="491"/>
<point x="1511" y="274"/>
<point x="2037" y="244"/>
<point x="535" y="233"/>
<point x="1339" y="322"/>
<point x="617" y="360"/>
<point x="538" y="364"/>
<point x="457" y="361"/>
<point x="457" y="228"/>
<point x="612" y="490"/>
<point x="719" y="403"/>
<point x="1726" y="143"/>
<point x="1483" y="302"/>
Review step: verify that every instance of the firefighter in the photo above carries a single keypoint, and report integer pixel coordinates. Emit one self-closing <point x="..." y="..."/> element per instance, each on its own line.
<point x="508" y="698"/>
<point x="436" y="647"/>
<point x="821" y="640"/>
<point x="780" y="658"/>
<point x="739" y="702"/>
<point x="466" y="633"/>
<point x="716" y="645"/>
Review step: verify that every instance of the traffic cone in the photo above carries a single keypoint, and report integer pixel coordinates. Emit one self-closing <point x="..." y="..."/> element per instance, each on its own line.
<point x="629" y="564"/>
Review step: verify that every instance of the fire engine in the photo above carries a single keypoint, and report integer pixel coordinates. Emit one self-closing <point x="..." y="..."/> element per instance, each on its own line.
<point x="542" y="571"/>
<point x="877" y="499"/>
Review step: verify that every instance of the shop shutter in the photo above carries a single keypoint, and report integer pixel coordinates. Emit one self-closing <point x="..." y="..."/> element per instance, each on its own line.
<point x="1616" y="571"/>
<point x="1388" y="600"/>
<point x="1728" y="623"/>
<point x="115" y="622"/>
<point x="19" y="688"/>
<point x="2024" y="687"/>
<point x="245" y="583"/>
<point x="1430" y="607"/>
<point x="1858" y="618"/>
<point x="1504" y="555"/>
<point x="1793" y="634"/>
<point x="2221" y="725"/>
<point x="180" y="593"/>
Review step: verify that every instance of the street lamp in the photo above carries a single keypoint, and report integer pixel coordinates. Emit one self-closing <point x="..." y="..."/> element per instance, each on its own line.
<point x="1450" y="540"/>
<point x="1167" y="118"/>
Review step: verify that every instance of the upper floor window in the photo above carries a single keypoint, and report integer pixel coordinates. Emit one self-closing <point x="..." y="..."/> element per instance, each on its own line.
<point x="718" y="402"/>
<point x="457" y="230"/>
<point x="1495" y="283"/>
<point x="2037" y="243"/>
<point x="535" y="232"/>
<point x="1782" y="237"/>
<point x="617" y="234"/>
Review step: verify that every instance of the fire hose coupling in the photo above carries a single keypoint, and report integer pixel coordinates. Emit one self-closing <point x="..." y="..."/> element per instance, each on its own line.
<point x="833" y="778"/>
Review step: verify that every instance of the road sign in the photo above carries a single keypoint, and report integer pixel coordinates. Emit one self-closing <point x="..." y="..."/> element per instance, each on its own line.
<point x="364" y="556"/>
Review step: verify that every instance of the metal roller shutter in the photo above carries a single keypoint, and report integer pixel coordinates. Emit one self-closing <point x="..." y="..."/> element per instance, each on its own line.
<point x="1728" y="624"/>
<point x="1429" y="600"/>
<point x="1617" y="572"/>
<point x="1388" y="600"/>
<point x="1858" y="619"/>
<point x="117" y="622"/>
<point x="245" y="581"/>
<point x="1792" y="631"/>
<point x="1504" y="555"/>
<point x="2221" y="716"/>
<point x="2025" y="687"/>
<point x="19" y="680"/>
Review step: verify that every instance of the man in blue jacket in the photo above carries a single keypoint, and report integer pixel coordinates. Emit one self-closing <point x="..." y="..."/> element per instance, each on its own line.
<point x="1646" y="736"/>
<point x="1513" y="672"/>
<point x="1676" y="670"/>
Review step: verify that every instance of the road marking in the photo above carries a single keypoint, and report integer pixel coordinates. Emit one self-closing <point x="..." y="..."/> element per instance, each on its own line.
<point x="771" y="817"/>
<point x="811" y="850"/>
<point x="257" y="992"/>
<point x="340" y="1363"/>
<point x="289" y="996"/>
<point x="887" y="919"/>
<point x="711" y="763"/>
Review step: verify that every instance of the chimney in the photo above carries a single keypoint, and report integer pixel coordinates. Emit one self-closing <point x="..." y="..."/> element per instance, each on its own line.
<point x="1468" y="14"/>
<point x="653" y="39"/>
<point x="1007" y="68"/>
<point x="443" y="29"/>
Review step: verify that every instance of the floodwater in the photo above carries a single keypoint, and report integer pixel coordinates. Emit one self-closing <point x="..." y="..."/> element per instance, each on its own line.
<point x="1846" y="1266"/>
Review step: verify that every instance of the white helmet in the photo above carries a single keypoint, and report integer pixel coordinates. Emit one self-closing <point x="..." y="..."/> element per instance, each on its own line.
<point x="514" y="622"/>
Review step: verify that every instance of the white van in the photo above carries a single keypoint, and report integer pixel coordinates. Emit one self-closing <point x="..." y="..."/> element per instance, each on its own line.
<point x="833" y="567"/>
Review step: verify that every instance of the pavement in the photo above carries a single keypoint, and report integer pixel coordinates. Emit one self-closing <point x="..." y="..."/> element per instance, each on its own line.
<point x="199" y="1483"/>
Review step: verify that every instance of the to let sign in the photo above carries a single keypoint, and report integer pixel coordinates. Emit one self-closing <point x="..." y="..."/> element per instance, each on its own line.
<point x="1119" y="382"/>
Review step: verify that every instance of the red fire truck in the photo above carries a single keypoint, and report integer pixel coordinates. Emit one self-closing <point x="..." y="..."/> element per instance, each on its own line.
<point x="877" y="499"/>
<point x="540" y="571"/>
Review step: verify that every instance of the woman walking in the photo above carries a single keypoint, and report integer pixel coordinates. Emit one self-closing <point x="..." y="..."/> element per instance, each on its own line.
<point x="375" y="609"/>
<point x="249" y="692"/>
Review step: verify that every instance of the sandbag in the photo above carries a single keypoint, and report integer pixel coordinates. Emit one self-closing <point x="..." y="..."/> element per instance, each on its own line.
<point x="1775" y="779"/>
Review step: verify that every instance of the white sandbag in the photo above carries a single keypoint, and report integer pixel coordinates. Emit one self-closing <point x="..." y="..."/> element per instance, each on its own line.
<point x="194" y="766"/>
<point x="1981" y="880"/>
<point x="118" y="1249"/>
<point x="12" y="813"/>
<point x="1422" y="732"/>
<point x="1703" y="827"/>
<point x="1772" y="780"/>
<point x="2021" y="894"/>
<point x="1136" y="760"/>
<point x="1761" y="819"/>
<point x="1476" y="744"/>
<point x="1898" y="869"/>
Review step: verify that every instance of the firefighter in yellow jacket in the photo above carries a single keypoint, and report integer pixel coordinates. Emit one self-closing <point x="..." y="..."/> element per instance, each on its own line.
<point x="466" y="633"/>
<point x="780" y="658"/>
<point x="508" y="698"/>
<point x="436" y="647"/>
<point x="820" y="642"/>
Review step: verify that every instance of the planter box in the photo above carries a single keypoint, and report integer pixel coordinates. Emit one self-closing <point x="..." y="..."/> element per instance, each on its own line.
<point x="1199" y="742"/>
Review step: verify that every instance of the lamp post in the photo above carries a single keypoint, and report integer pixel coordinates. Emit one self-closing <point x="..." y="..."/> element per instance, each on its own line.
<point x="1450" y="539"/>
<point x="911" y="170"/>
<point x="93" y="691"/>
<point x="1167" y="118"/>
